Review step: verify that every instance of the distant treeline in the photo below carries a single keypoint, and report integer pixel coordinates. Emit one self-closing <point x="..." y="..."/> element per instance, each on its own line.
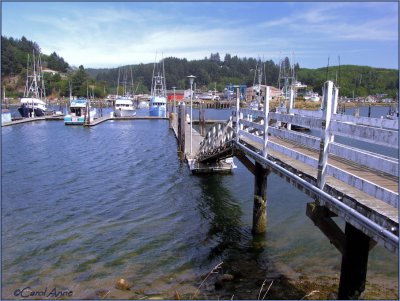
<point x="211" y="72"/>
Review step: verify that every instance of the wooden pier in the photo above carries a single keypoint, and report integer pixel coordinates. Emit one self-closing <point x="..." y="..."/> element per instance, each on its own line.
<point x="92" y="123"/>
<point x="357" y="185"/>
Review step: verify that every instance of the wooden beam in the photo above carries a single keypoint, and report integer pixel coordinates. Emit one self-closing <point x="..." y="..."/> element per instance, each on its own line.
<point x="321" y="217"/>
<point x="246" y="162"/>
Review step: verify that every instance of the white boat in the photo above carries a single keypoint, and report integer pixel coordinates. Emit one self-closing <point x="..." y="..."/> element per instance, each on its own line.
<point x="158" y="99"/>
<point x="123" y="106"/>
<point x="77" y="112"/>
<point x="31" y="103"/>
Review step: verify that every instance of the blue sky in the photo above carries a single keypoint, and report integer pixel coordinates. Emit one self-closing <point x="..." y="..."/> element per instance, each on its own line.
<point x="108" y="34"/>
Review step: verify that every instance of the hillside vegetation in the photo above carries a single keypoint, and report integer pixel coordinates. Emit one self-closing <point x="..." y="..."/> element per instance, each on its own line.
<point x="211" y="72"/>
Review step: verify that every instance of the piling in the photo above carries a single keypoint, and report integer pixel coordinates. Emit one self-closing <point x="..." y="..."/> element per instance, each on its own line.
<point x="202" y="121"/>
<point x="181" y="129"/>
<point x="260" y="199"/>
<point x="354" y="263"/>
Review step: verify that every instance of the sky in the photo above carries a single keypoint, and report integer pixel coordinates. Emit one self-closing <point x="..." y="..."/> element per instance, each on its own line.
<point x="112" y="34"/>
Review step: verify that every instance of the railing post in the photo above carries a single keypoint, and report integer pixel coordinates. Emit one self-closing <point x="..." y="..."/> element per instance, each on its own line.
<point x="291" y="104"/>
<point x="237" y="113"/>
<point x="325" y="133"/>
<point x="334" y="106"/>
<point x="266" y="114"/>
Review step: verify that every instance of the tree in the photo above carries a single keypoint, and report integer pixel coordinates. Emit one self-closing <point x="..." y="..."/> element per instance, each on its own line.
<point x="79" y="82"/>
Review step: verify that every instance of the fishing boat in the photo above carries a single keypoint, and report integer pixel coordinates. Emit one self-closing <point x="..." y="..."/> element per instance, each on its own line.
<point x="77" y="112"/>
<point x="158" y="99"/>
<point x="124" y="104"/>
<point x="255" y="103"/>
<point x="32" y="103"/>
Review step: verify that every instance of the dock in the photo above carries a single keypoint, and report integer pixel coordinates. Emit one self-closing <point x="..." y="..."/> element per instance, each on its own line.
<point x="93" y="123"/>
<point x="222" y="166"/>
<point x="357" y="185"/>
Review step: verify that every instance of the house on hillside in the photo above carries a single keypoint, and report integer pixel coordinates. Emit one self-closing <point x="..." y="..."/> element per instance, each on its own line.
<point x="251" y="92"/>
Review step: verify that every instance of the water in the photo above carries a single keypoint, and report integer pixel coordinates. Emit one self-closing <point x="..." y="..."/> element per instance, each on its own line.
<point x="83" y="207"/>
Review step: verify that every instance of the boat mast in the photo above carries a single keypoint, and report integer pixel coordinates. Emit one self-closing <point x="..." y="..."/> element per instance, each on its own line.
<point x="153" y="81"/>
<point x="118" y="84"/>
<point x="164" y="88"/>
<point x="132" y="87"/>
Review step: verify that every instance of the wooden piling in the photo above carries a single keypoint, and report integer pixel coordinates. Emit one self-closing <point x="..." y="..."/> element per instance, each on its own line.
<point x="260" y="199"/>
<point x="202" y="121"/>
<point x="181" y="129"/>
<point x="354" y="263"/>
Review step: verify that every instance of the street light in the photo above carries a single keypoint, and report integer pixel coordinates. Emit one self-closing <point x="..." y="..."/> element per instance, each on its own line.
<point x="174" y="100"/>
<point x="191" y="79"/>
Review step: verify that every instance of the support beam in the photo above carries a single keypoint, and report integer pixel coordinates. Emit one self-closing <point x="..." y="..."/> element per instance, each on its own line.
<point x="321" y="217"/>
<point x="246" y="162"/>
<point x="260" y="199"/>
<point x="354" y="264"/>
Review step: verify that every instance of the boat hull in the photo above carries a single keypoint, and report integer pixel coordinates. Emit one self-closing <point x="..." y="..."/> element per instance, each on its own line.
<point x="27" y="112"/>
<point x="158" y="111"/>
<point x="78" y="120"/>
<point x="124" y="113"/>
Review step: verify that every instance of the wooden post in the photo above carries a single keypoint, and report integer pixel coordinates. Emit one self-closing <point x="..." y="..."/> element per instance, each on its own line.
<point x="171" y="119"/>
<point x="202" y="118"/>
<point x="181" y="129"/>
<point x="354" y="264"/>
<point x="260" y="199"/>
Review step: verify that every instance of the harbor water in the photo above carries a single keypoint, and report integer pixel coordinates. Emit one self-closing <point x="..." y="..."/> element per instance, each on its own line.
<point x="84" y="207"/>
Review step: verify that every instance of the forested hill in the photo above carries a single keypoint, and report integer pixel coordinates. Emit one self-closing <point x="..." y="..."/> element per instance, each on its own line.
<point x="211" y="72"/>
<point x="362" y="80"/>
<point x="14" y="53"/>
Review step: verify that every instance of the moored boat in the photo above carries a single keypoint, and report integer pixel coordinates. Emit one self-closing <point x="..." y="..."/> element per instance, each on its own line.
<point x="77" y="112"/>
<point x="31" y="103"/>
<point x="158" y="99"/>
<point x="123" y="106"/>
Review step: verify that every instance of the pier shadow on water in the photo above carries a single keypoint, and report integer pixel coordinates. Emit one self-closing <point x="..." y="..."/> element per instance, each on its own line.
<point x="246" y="272"/>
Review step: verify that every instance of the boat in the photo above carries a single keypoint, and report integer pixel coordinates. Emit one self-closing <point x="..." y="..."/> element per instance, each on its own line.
<point x="256" y="102"/>
<point x="158" y="99"/>
<point x="77" y="112"/>
<point x="312" y="96"/>
<point x="31" y="103"/>
<point x="123" y="106"/>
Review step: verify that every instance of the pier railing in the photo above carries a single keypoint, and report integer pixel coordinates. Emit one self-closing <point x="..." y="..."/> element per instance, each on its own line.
<point x="354" y="173"/>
